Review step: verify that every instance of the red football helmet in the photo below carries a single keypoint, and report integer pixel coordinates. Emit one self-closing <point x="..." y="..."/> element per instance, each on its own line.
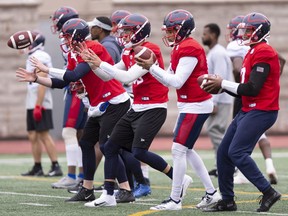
<point x="133" y="29"/>
<point x="254" y="28"/>
<point x="232" y="33"/>
<point x="181" y="22"/>
<point x="60" y="16"/>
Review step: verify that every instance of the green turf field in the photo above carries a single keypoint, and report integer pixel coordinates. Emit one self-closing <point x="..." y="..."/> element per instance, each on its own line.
<point x="34" y="196"/>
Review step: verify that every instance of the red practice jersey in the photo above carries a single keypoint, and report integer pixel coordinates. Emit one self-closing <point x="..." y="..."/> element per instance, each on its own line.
<point x="268" y="98"/>
<point x="146" y="89"/>
<point x="190" y="92"/>
<point x="98" y="90"/>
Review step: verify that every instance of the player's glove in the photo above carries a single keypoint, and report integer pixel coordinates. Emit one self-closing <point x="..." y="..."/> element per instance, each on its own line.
<point x="98" y="110"/>
<point x="37" y="113"/>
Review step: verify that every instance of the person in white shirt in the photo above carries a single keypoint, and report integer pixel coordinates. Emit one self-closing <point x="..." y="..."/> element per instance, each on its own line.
<point x="219" y="63"/>
<point x="39" y="105"/>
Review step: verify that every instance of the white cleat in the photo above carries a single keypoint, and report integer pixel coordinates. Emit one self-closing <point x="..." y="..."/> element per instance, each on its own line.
<point x="104" y="200"/>
<point x="169" y="205"/>
<point x="239" y="178"/>
<point x="209" y="199"/>
<point x="186" y="182"/>
<point x="65" y="182"/>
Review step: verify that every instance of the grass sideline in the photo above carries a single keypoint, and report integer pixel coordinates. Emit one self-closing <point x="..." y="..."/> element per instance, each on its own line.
<point x="34" y="196"/>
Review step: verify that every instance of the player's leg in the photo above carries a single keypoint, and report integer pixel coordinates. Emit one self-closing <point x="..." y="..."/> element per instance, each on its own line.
<point x="265" y="147"/>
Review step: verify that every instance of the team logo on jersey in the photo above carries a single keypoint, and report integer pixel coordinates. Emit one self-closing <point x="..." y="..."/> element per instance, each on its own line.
<point x="260" y="69"/>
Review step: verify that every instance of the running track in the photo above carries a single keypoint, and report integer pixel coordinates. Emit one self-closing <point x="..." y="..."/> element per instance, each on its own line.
<point x="160" y="143"/>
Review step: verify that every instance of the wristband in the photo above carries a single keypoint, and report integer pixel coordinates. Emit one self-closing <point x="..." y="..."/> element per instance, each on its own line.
<point x="36" y="79"/>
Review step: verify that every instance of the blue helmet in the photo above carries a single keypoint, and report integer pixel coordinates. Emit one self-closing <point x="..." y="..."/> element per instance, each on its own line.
<point x="254" y="28"/>
<point x="38" y="43"/>
<point x="60" y="16"/>
<point x="232" y="27"/>
<point x="182" y="22"/>
<point x="139" y="27"/>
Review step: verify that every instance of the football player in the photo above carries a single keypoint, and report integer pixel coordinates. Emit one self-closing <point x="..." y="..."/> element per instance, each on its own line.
<point x="259" y="89"/>
<point x="188" y="61"/>
<point x="75" y="115"/>
<point x="237" y="54"/>
<point x="138" y="127"/>
<point x="108" y="101"/>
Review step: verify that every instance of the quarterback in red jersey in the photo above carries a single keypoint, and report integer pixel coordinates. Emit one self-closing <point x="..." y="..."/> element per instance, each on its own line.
<point x="259" y="89"/>
<point x="108" y="100"/>
<point x="137" y="128"/>
<point x="188" y="62"/>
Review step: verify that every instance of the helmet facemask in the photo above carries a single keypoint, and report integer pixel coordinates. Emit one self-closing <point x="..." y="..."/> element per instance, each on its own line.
<point x="250" y="34"/>
<point x="131" y="36"/>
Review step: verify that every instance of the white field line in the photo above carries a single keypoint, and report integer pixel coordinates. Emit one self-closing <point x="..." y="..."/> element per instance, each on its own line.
<point x="35" y="204"/>
<point x="205" y="155"/>
<point x="32" y="195"/>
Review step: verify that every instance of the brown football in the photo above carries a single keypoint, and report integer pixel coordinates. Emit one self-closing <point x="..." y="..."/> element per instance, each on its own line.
<point x="143" y="52"/>
<point x="202" y="80"/>
<point x="21" y="39"/>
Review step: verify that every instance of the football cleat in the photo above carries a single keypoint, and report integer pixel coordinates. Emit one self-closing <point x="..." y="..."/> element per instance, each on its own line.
<point x="104" y="200"/>
<point x="209" y="200"/>
<point x="83" y="194"/>
<point x="124" y="196"/>
<point x="186" y="182"/>
<point x="64" y="182"/>
<point x="54" y="171"/>
<point x="34" y="172"/>
<point x="168" y="204"/>
<point x="268" y="200"/>
<point x="141" y="190"/>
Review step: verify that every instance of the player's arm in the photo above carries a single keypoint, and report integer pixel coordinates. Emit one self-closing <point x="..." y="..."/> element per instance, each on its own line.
<point x="183" y="71"/>
<point x="282" y="62"/>
<point x="237" y="65"/>
<point x="41" y="90"/>
<point x="256" y="80"/>
<point x="123" y="76"/>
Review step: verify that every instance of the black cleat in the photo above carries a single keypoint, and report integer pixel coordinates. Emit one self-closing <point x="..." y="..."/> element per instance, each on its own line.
<point x="124" y="196"/>
<point x="54" y="171"/>
<point x="222" y="205"/>
<point x="76" y="188"/>
<point x="34" y="172"/>
<point x="268" y="200"/>
<point x="213" y="172"/>
<point x="83" y="195"/>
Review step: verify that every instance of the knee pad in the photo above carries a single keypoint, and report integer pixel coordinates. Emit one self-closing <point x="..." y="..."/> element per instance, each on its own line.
<point x="70" y="136"/>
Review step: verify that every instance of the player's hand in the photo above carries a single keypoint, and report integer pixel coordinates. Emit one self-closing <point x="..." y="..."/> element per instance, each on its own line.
<point x="37" y="113"/>
<point x="25" y="76"/>
<point x="212" y="84"/>
<point x="88" y="55"/>
<point x="145" y="63"/>
<point x="39" y="65"/>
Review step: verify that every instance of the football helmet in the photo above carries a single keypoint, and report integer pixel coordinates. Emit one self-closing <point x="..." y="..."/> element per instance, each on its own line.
<point x="181" y="22"/>
<point x="133" y="29"/>
<point x="38" y="43"/>
<point x="254" y="28"/>
<point x="118" y="15"/>
<point x="232" y="33"/>
<point x="73" y="31"/>
<point x="60" y="16"/>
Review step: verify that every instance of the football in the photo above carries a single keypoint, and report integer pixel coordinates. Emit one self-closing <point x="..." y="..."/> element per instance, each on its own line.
<point x="143" y="52"/>
<point x="21" y="39"/>
<point x="202" y="80"/>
